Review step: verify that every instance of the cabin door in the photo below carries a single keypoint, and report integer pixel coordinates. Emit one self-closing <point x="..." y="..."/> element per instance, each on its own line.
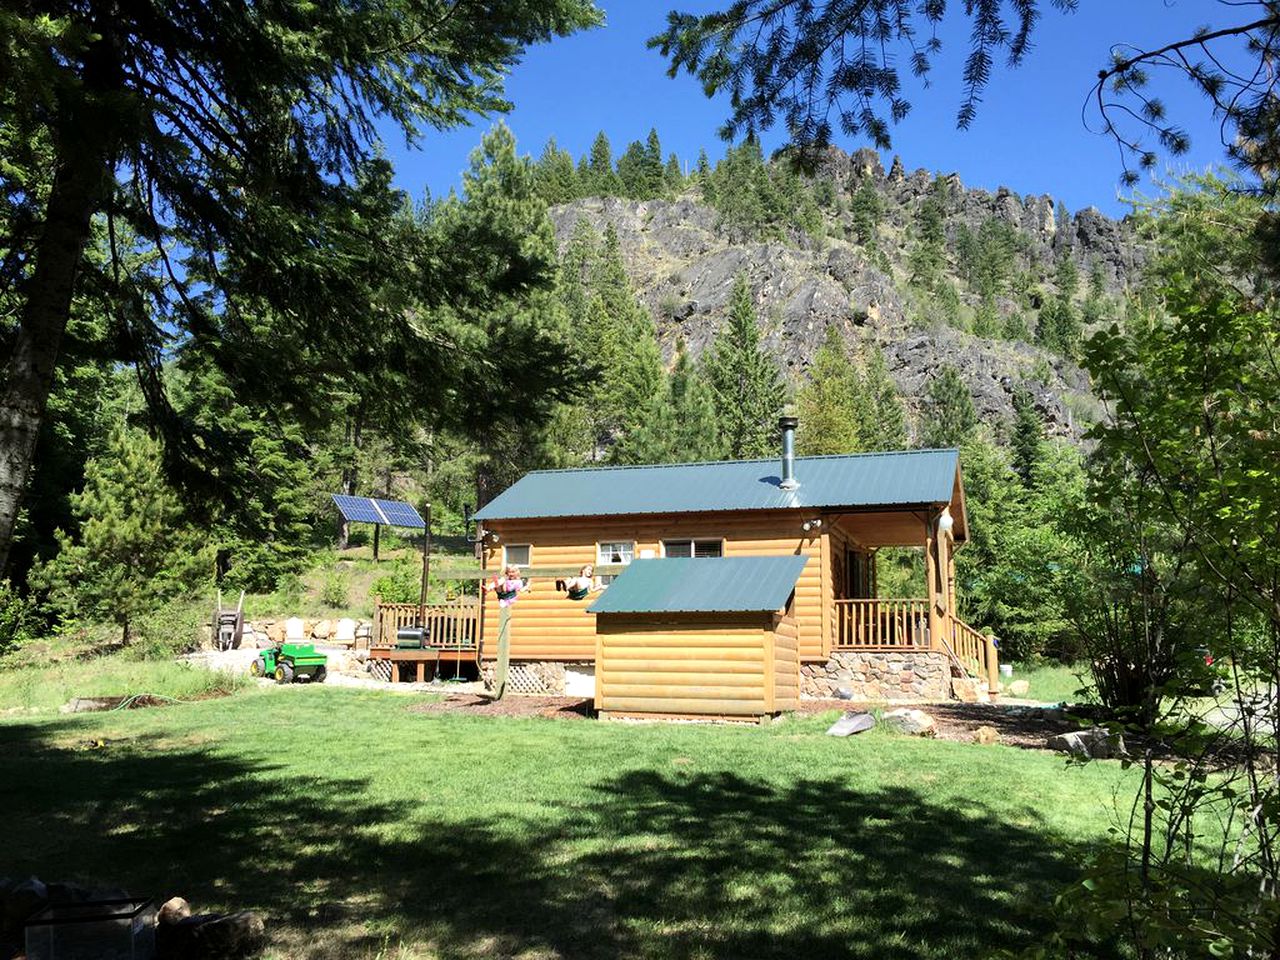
<point x="857" y="568"/>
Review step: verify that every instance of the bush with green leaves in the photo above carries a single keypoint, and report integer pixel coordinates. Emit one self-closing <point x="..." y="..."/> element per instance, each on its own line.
<point x="19" y="618"/>
<point x="335" y="591"/>
<point x="402" y="584"/>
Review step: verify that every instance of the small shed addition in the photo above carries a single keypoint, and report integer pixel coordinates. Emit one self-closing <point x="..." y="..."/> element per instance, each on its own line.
<point x="699" y="637"/>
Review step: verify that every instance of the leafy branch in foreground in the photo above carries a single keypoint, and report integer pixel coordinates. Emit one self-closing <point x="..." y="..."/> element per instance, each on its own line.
<point x="817" y="66"/>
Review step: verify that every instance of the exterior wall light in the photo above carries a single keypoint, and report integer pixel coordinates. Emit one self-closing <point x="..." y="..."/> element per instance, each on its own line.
<point x="811" y="525"/>
<point x="946" y="521"/>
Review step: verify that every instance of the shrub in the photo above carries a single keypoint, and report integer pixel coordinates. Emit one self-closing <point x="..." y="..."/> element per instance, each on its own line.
<point x="403" y="584"/>
<point x="168" y="630"/>
<point x="336" y="589"/>
<point x="18" y="618"/>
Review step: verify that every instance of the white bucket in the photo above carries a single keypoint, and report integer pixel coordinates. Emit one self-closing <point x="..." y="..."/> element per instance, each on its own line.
<point x="1006" y="669"/>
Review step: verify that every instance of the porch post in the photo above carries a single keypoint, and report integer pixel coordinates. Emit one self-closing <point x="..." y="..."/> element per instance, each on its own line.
<point x="931" y="586"/>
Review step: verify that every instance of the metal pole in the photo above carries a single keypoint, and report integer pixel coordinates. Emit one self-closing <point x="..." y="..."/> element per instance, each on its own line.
<point x="377" y="528"/>
<point x="426" y="570"/>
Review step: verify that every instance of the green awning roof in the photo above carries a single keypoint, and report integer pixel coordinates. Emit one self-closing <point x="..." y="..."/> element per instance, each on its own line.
<point x="900" y="479"/>
<point x="702" y="585"/>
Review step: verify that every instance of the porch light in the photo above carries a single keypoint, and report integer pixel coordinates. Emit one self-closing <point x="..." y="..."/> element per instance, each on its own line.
<point x="946" y="521"/>
<point x="811" y="525"/>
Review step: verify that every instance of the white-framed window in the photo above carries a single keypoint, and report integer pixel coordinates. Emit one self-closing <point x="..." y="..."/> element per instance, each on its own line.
<point x="613" y="553"/>
<point x="516" y="554"/>
<point x="693" y="548"/>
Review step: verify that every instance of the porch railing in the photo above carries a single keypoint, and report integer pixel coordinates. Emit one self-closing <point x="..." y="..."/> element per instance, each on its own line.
<point x="452" y="625"/>
<point x="974" y="651"/>
<point x="881" y="624"/>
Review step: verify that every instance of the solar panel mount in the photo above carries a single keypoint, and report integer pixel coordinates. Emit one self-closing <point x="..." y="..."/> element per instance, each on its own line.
<point x="391" y="513"/>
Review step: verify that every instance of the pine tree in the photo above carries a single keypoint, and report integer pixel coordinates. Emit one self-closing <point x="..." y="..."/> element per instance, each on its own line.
<point x="884" y="420"/>
<point x="555" y="176"/>
<point x="827" y="404"/>
<point x="577" y="265"/>
<point x="1095" y="302"/>
<point x="133" y="551"/>
<point x="628" y="347"/>
<point x="655" y="174"/>
<point x="682" y="425"/>
<point x="1060" y="324"/>
<point x="673" y="175"/>
<point x="746" y="381"/>
<point x="950" y="418"/>
<point x="990" y="260"/>
<point x="986" y="319"/>
<point x="702" y="169"/>
<point x="602" y="180"/>
<point x="866" y="210"/>
<point x="1028" y="436"/>
<point x="633" y="172"/>
<point x="928" y="254"/>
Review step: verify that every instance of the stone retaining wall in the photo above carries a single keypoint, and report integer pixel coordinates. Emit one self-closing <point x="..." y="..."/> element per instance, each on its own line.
<point x="539" y="678"/>
<point x="922" y="675"/>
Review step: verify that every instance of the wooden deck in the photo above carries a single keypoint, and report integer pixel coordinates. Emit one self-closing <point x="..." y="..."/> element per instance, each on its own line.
<point x="452" y="626"/>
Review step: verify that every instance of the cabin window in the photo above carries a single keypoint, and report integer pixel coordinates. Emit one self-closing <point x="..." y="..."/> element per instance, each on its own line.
<point x="617" y="552"/>
<point x="693" y="548"/>
<point x="516" y="554"/>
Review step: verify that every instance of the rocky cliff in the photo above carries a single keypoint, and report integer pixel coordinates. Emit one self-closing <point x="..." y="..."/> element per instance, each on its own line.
<point x="683" y="260"/>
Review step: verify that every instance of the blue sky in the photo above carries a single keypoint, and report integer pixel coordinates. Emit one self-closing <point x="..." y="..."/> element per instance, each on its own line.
<point x="1029" y="134"/>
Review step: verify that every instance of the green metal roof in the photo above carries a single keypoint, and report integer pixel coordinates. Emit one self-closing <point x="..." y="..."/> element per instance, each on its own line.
<point x="906" y="478"/>
<point x="702" y="585"/>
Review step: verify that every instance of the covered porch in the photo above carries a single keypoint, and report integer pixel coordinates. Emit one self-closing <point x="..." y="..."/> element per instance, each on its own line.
<point x="862" y="622"/>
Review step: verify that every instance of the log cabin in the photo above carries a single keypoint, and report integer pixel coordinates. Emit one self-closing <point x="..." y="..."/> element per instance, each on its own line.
<point x="834" y="512"/>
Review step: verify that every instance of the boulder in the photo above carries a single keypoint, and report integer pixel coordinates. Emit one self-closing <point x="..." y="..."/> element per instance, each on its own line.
<point x="852" y="722"/>
<point x="322" y="630"/>
<point x="917" y="723"/>
<point x="275" y="633"/>
<point x="211" y="937"/>
<point x="843" y="693"/>
<point x="1096" y="743"/>
<point x="986" y="735"/>
<point x="1019" y="688"/>
<point x="173" y="910"/>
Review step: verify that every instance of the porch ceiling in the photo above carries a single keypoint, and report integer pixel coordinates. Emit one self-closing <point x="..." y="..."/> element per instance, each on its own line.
<point x="898" y="528"/>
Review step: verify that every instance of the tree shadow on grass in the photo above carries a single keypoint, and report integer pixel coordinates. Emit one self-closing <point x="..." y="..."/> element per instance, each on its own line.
<point x="646" y="864"/>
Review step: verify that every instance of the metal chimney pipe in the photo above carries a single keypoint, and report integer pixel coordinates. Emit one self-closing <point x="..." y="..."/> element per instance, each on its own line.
<point x="788" y="427"/>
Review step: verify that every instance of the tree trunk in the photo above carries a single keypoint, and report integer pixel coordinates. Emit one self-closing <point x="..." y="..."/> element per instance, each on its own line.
<point x="84" y="145"/>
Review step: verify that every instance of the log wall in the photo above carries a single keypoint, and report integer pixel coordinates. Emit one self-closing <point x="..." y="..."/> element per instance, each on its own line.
<point x="786" y="665"/>
<point x="717" y="665"/>
<point x="547" y="625"/>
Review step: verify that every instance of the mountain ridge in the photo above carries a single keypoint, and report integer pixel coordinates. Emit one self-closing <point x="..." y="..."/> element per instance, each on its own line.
<point x="682" y="256"/>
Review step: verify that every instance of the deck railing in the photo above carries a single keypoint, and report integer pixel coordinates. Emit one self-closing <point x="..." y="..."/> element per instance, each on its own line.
<point x="452" y="625"/>
<point x="881" y="624"/>
<point x="969" y="647"/>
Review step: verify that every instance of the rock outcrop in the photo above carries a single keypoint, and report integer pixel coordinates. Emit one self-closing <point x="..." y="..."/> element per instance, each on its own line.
<point x="684" y="264"/>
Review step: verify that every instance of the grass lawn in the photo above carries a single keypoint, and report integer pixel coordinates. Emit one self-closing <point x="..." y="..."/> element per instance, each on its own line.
<point x="363" y="829"/>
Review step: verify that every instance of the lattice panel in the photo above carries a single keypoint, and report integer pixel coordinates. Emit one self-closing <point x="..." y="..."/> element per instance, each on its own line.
<point x="380" y="670"/>
<point x="526" y="678"/>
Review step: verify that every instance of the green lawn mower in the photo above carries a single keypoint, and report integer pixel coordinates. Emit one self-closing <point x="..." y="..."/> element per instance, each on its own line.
<point x="289" y="662"/>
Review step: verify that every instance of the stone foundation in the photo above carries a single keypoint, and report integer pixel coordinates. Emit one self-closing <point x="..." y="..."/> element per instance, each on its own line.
<point x="921" y="675"/>
<point x="539" y="678"/>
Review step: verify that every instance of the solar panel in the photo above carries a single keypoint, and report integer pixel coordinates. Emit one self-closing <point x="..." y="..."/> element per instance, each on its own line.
<point x="399" y="513"/>
<point x="356" y="509"/>
<point x="393" y="513"/>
